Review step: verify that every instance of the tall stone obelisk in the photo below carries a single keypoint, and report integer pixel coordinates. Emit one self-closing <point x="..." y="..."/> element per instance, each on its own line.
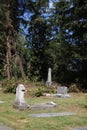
<point x="49" y="78"/>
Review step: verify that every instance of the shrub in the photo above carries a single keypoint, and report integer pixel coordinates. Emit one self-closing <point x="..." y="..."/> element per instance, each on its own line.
<point x="39" y="92"/>
<point x="73" y="88"/>
<point x="9" y="86"/>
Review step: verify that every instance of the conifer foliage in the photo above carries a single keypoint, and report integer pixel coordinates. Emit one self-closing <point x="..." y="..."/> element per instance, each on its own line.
<point x="38" y="34"/>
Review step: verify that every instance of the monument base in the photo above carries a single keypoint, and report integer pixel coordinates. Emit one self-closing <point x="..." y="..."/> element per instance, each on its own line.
<point x="19" y="105"/>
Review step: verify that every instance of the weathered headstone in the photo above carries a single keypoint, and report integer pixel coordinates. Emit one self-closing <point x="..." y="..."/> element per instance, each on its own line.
<point x="20" y="101"/>
<point x="62" y="92"/>
<point x="49" y="80"/>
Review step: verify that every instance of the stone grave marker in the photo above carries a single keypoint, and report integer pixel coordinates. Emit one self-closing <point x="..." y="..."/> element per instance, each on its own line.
<point x="3" y="127"/>
<point x="62" y="91"/>
<point x="44" y="106"/>
<point x="20" y="101"/>
<point x="52" y="114"/>
<point x="49" y="78"/>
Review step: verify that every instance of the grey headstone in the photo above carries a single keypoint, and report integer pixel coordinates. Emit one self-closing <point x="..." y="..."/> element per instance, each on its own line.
<point x="62" y="90"/>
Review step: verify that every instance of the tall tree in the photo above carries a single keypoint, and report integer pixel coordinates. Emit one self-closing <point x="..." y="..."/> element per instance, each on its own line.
<point x="37" y="38"/>
<point x="2" y="39"/>
<point x="79" y="27"/>
<point x="9" y="28"/>
<point x="10" y="36"/>
<point x="72" y="23"/>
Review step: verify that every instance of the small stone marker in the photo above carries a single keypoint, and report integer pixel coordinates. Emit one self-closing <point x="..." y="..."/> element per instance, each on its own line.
<point x="62" y="92"/>
<point x="20" y="101"/>
<point x="49" y="80"/>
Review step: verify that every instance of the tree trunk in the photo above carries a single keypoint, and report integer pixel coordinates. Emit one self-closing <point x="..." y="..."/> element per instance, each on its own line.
<point x="8" y="58"/>
<point x="9" y="32"/>
<point x="19" y="63"/>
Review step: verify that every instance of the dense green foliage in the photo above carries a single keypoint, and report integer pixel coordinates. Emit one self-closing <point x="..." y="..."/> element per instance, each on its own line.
<point x="70" y="18"/>
<point x="56" y="37"/>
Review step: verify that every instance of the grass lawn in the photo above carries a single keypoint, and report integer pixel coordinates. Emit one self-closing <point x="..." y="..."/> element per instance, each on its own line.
<point x="19" y="120"/>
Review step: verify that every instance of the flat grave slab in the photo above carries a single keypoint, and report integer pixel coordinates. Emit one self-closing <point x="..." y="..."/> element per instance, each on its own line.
<point x="82" y="128"/>
<point x="2" y="127"/>
<point x="1" y="101"/>
<point x="43" y="106"/>
<point x="52" y="114"/>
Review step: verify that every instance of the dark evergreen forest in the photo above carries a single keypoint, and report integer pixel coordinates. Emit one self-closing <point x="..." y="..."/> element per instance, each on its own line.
<point x="38" y="34"/>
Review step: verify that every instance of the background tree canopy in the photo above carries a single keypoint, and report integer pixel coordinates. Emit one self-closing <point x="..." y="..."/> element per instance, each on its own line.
<point x="38" y="34"/>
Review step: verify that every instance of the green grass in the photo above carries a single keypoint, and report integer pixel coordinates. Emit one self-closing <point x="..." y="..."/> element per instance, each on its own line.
<point x="19" y="120"/>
